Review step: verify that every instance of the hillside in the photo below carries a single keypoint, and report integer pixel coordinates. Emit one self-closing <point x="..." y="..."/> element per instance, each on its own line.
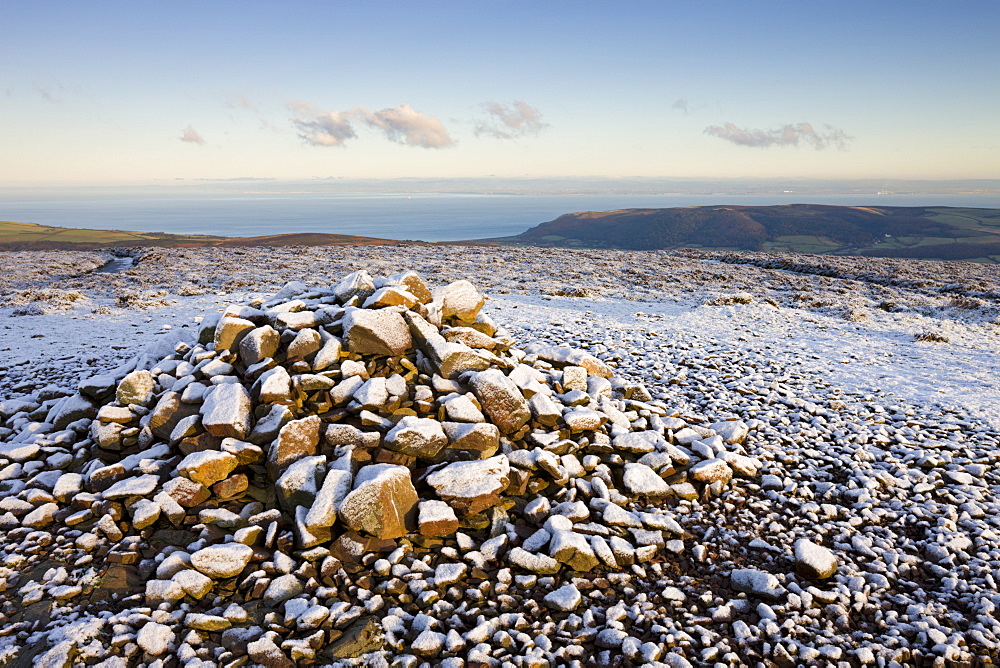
<point x="945" y="233"/>
<point x="29" y="236"/>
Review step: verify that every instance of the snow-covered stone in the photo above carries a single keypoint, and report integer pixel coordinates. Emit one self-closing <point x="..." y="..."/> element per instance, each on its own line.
<point x="383" y="502"/>
<point x="565" y="599"/>
<point x="222" y="561"/>
<point x="813" y="561"/>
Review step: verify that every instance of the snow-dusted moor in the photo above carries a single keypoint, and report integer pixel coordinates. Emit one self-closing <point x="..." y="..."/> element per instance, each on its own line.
<point x="416" y="455"/>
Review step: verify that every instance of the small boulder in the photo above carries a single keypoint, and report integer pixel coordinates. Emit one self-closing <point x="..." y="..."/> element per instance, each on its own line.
<point x="382" y="503"/>
<point x="136" y="388"/>
<point x="418" y="437"/>
<point x="813" y="561"/>
<point x="641" y="481"/>
<point x="296" y="439"/>
<point x="501" y="399"/>
<point x="711" y="470"/>
<point x="471" y="487"/>
<point x="230" y="332"/>
<point x="259" y="344"/>
<point x="459" y="300"/>
<point x="378" y="332"/>
<point x="565" y="599"/>
<point x="436" y="518"/>
<point x="155" y="639"/>
<point x="226" y="411"/>
<point x="208" y="466"/>
<point x="756" y="582"/>
<point x="222" y="561"/>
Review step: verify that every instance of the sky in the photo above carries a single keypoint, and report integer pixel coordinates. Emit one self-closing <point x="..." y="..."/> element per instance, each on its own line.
<point x="143" y="92"/>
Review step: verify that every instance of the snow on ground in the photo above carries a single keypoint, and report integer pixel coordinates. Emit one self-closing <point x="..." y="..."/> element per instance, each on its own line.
<point x="877" y="354"/>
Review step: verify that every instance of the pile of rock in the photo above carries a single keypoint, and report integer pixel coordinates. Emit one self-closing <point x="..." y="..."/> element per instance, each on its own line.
<point x="373" y="466"/>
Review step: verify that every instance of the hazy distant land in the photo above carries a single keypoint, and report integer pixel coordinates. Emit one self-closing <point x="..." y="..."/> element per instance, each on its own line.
<point x="29" y="236"/>
<point x="942" y="233"/>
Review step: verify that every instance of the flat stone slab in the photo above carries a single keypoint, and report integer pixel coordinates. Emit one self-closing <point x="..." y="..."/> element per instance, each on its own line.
<point x="143" y="485"/>
<point x="222" y="561"/>
<point x="473" y="486"/>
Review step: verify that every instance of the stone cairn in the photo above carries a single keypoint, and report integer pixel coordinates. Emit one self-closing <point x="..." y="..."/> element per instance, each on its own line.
<point x="339" y="471"/>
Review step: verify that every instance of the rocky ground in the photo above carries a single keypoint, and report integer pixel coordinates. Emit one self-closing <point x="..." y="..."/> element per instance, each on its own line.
<point x="749" y="459"/>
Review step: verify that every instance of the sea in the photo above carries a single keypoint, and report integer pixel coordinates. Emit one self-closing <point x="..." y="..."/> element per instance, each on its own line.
<point x="414" y="216"/>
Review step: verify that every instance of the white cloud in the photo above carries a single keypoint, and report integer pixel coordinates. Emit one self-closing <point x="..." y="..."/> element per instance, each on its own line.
<point x="401" y="124"/>
<point x="510" y="121"/>
<point x="786" y="135"/>
<point x="322" y="128"/>
<point x="404" y="125"/>
<point x="681" y="104"/>
<point x="192" y="136"/>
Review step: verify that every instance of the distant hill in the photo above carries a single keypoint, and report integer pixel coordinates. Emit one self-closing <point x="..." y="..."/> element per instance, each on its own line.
<point x="945" y="233"/>
<point x="29" y="236"/>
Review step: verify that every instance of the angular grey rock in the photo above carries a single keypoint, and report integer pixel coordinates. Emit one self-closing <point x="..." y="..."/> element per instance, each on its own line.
<point x="299" y="484"/>
<point x="459" y="300"/>
<point x="136" y="388"/>
<point x="583" y="419"/>
<point x="269" y="426"/>
<point x="72" y="408"/>
<point x="259" y="344"/>
<point x="641" y="481"/>
<point x="436" y="518"/>
<point x="336" y="487"/>
<point x="379" y="332"/>
<point x="283" y="588"/>
<point x="99" y="388"/>
<point x="636" y="442"/>
<point x="328" y="355"/>
<point x="731" y="431"/>
<point x="573" y="549"/>
<point x="460" y="408"/>
<point x="305" y="343"/>
<point x="418" y="437"/>
<point x="565" y="599"/>
<point x="711" y="470"/>
<point x="470" y="440"/>
<point x="143" y="485"/>
<point x="226" y="411"/>
<point x="357" y="284"/>
<point x="390" y="295"/>
<point x="372" y="394"/>
<point x="471" y="487"/>
<point x="41" y="517"/>
<point x="564" y="355"/>
<point x="208" y="466"/>
<point x="756" y="582"/>
<point x="274" y="385"/>
<point x="501" y="399"/>
<point x="168" y="412"/>
<point x="155" y="638"/>
<point x="544" y="409"/>
<point x="413" y="283"/>
<point x="449" y="358"/>
<point x="296" y="439"/>
<point x="383" y="502"/>
<point x="541" y="564"/>
<point x="230" y="331"/>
